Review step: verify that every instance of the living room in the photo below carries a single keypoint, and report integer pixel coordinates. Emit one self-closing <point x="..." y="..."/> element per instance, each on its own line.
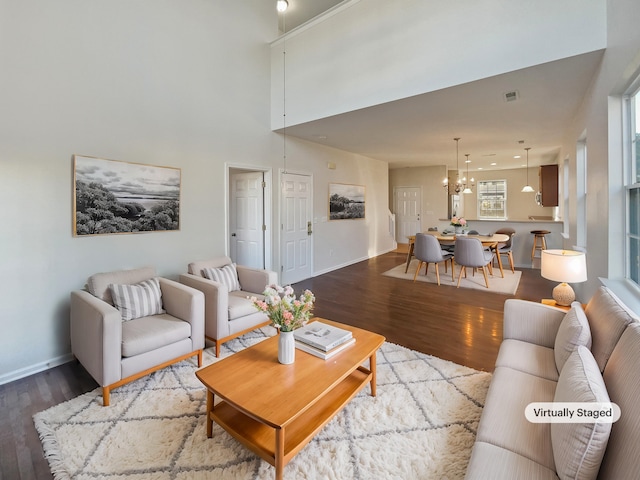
<point x="189" y="86"/>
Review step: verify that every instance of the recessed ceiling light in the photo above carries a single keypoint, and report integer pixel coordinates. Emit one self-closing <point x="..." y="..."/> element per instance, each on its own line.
<point x="493" y="164"/>
<point x="479" y="168"/>
<point x="517" y="156"/>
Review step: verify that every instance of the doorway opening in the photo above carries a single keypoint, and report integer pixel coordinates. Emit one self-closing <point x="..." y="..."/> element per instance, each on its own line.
<point x="249" y="223"/>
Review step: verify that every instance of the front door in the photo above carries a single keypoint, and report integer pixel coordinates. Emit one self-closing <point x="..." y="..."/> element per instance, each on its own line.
<point x="406" y="206"/>
<point x="296" y="228"/>
<point x="246" y="219"/>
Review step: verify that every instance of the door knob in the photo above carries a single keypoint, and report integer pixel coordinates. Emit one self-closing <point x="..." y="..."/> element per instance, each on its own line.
<point x="309" y="231"/>
<point x="233" y="234"/>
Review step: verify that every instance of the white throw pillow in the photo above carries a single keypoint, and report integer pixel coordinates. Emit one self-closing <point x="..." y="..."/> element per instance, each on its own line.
<point x="226" y="275"/>
<point x="578" y="448"/>
<point x="574" y="331"/>
<point x="139" y="300"/>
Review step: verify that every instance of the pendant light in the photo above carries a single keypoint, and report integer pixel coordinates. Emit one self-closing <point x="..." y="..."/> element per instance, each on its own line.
<point x="281" y="6"/>
<point x="467" y="186"/>
<point x="527" y="188"/>
<point x="458" y="186"/>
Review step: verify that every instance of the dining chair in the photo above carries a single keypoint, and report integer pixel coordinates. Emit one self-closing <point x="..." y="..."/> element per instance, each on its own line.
<point x="507" y="247"/>
<point x="469" y="252"/>
<point x="427" y="250"/>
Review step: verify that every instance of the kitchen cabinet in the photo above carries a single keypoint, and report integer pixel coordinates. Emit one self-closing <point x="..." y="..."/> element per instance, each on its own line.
<point x="549" y="185"/>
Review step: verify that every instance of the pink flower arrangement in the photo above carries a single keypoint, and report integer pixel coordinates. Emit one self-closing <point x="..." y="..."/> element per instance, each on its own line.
<point x="285" y="311"/>
<point x="458" y="221"/>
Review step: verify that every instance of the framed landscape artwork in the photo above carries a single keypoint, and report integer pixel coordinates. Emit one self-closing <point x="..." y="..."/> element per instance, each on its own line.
<point x="113" y="197"/>
<point x="346" y="202"/>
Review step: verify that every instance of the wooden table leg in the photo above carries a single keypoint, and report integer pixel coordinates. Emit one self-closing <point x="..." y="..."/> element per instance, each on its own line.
<point x="409" y="255"/>
<point x="279" y="453"/>
<point x="209" y="410"/>
<point x="372" y="367"/>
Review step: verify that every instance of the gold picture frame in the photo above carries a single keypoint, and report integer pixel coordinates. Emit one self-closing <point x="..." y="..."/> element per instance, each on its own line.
<point x="115" y="197"/>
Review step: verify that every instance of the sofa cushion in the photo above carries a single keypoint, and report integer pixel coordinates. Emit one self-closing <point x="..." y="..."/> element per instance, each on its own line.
<point x="573" y="332"/>
<point x="578" y="448"/>
<point x="503" y="422"/>
<point x="528" y="357"/>
<point x="98" y="284"/>
<point x="139" y="300"/>
<point x="621" y="460"/>
<point x="489" y="462"/>
<point x="145" y="334"/>
<point x="240" y="305"/>
<point x="608" y="317"/>
<point x="226" y="275"/>
<point x="196" y="268"/>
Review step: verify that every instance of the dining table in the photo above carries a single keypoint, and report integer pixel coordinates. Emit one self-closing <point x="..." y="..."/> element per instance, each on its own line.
<point x="490" y="241"/>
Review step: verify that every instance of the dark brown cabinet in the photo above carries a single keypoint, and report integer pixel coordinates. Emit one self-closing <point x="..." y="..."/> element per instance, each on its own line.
<point x="549" y="185"/>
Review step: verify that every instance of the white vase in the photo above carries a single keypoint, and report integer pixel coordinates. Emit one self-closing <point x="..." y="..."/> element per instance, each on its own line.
<point x="458" y="230"/>
<point x="286" y="348"/>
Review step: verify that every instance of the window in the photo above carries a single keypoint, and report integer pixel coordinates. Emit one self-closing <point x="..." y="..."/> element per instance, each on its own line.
<point x="633" y="189"/>
<point x="492" y="200"/>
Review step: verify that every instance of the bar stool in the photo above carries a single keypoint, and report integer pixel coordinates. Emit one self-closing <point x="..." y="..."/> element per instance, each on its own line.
<point x="539" y="235"/>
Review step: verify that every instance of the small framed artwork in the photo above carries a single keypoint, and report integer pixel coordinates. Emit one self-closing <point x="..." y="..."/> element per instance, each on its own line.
<point x="112" y="196"/>
<point x="346" y="202"/>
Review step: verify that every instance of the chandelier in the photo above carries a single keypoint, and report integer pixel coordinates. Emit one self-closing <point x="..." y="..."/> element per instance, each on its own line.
<point x="461" y="185"/>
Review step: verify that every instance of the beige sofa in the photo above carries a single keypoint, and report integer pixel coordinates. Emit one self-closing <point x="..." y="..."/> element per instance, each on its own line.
<point x="116" y="350"/>
<point x="229" y="313"/>
<point x="548" y="355"/>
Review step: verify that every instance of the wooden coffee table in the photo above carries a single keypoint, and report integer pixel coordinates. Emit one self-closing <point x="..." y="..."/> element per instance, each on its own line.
<point x="275" y="410"/>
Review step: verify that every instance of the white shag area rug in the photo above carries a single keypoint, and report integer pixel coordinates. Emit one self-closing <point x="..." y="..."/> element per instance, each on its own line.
<point x="507" y="285"/>
<point x="421" y="425"/>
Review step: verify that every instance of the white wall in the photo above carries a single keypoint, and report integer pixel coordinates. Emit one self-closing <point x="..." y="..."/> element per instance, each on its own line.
<point x="338" y="243"/>
<point x="182" y="84"/>
<point x="434" y="197"/>
<point x="600" y="118"/>
<point x="380" y="51"/>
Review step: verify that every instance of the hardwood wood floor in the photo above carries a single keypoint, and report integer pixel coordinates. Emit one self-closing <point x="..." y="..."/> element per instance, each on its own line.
<point x="461" y="325"/>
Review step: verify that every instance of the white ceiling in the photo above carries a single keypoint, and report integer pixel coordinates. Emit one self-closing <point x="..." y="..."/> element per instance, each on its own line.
<point x="420" y="130"/>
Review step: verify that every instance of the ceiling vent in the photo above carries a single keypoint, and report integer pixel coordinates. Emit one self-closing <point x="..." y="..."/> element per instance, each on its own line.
<point x="511" y="96"/>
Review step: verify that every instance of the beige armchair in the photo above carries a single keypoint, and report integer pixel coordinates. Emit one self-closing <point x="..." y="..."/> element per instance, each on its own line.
<point x="229" y="314"/>
<point x="117" y="351"/>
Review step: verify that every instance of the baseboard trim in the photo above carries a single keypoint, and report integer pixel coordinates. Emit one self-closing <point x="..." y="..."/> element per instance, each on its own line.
<point x="35" y="368"/>
<point x="351" y="262"/>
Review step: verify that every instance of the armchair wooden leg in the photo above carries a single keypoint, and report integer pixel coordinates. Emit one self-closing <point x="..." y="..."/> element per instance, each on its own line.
<point x="510" y="255"/>
<point x="218" y="346"/>
<point x="106" y="396"/>
<point x="199" y="358"/>
<point x="437" y="274"/>
<point x="452" y="271"/>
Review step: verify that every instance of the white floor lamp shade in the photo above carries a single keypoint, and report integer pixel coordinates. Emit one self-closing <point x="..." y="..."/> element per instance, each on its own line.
<point x="565" y="266"/>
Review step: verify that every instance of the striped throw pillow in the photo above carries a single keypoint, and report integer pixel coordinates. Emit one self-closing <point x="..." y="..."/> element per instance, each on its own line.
<point x="139" y="300"/>
<point x="226" y="275"/>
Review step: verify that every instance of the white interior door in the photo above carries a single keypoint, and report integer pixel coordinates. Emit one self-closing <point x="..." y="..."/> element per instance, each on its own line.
<point x="246" y="219"/>
<point x="296" y="216"/>
<point x="407" y="203"/>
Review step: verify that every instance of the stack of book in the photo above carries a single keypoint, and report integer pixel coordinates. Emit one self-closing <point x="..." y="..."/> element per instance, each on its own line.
<point x="322" y="340"/>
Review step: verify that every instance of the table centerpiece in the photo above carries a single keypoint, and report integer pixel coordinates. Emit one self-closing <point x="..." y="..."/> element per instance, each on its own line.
<point x="287" y="313"/>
